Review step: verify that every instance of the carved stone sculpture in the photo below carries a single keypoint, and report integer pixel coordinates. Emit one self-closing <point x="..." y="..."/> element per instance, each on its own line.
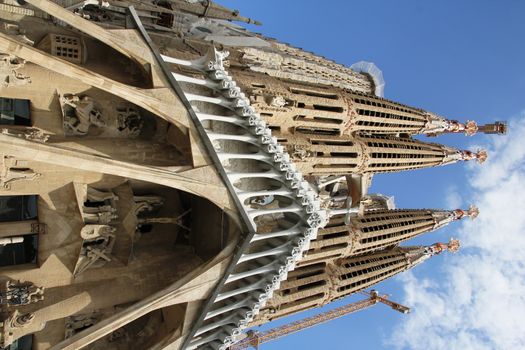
<point x="79" y="114"/>
<point x="9" y="65"/>
<point x="13" y="170"/>
<point x="14" y="320"/>
<point x="129" y="121"/>
<point x="93" y="231"/>
<point x="99" y="207"/>
<point x="147" y="203"/>
<point x="31" y="134"/>
<point x="97" y="245"/>
<point x="20" y="293"/>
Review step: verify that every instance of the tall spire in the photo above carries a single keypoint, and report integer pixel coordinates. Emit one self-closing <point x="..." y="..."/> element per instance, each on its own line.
<point x="453" y="155"/>
<point x="376" y="230"/>
<point x="438" y="125"/>
<point x="417" y="255"/>
<point x="443" y="218"/>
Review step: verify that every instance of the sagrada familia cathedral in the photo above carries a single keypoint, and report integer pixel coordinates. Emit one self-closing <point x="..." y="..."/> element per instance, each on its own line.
<point x="169" y="179"/>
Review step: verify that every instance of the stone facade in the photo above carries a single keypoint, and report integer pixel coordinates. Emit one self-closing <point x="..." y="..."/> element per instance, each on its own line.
<point x="114" y="220"/>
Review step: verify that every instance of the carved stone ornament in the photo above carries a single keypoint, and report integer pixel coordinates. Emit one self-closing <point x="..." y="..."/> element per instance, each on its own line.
<point x="278" y="101"/>
<point x="31" y="134"/>
<point x="14" y="320"/>
<point x="97" y="244"/>
<point x="13" y="170"/>
<point x="100" y="207"/>
<point x="79" y="114"/>
<point x="37" y="135"/>
<point x="21" y="293"/>
<point x="9" y="64"/>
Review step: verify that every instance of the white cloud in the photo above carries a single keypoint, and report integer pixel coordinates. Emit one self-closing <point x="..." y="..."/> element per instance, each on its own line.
<point x="453" y="199"/>
<point x="481" y="303"/>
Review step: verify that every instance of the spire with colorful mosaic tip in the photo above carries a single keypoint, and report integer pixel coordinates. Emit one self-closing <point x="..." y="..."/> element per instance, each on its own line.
<point x="471" y="213"/>
<point x="445" y="217"/>
<point x="417" y="255"/>
<point x="437" y="125"/>
<point x="453" y="155"/>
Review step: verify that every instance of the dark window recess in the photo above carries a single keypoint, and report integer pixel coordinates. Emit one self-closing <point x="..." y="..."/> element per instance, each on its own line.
<point x="311" y="285"/>
<point x="18" y="208"/>
<point x="329" y="108"/>
<point x="319" y="131"/>
<point x="332" y="142"/>
<point x="165" y="19"/>
<point x="22" y="343"/>
<point x="314" y="93"/>
<point x="145" y="228"/>
<point x="19" y="253"/>
<point x="14" y="112"/>
<point x="340" y="234"/>
<point x="344" y="154"/>
<point x="204" y="30"/>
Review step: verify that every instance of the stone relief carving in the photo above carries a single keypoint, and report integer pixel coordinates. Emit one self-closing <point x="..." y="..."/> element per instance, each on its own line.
<point x="13" y="170"/>
<point x="9" y="65"/>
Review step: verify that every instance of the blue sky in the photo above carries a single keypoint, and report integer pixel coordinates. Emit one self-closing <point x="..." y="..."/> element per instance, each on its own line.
<point x="464" y="60"/>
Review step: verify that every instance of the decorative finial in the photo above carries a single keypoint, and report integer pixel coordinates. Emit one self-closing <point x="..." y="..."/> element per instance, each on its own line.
<point x="472" y="213"/>
<point x="471" y="128"/>
<point x="417" y="255"/>
<point x="480" y="155"/>
<point x="452" y="246"/>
